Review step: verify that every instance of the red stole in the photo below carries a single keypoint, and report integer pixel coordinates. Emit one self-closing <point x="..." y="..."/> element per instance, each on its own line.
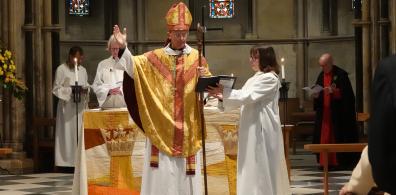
<point x="327" y="134"/>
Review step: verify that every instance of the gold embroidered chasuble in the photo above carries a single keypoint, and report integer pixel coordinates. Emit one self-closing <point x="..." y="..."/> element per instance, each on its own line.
<point x="167" y="101"/>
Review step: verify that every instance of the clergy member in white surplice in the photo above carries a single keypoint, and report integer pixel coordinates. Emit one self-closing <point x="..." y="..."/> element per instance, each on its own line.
<point x="108" y="80"/>
<point x="66" y="133"/>
<point x="261" y="160"/>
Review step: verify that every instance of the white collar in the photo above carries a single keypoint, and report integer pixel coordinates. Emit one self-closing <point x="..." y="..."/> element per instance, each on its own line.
<point x="261" y="72"/>
<point x="169" y="51"/>
<point x="112" y="59"/>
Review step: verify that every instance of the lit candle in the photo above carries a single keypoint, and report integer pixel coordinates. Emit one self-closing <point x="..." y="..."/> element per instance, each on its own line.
<point x="283" y="68"/>
<point x="232" y="74"/>
<point x="75" y="70"/>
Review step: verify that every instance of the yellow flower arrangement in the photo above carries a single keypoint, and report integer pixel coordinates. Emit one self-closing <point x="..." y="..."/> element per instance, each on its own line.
<point x="8" y="78"/>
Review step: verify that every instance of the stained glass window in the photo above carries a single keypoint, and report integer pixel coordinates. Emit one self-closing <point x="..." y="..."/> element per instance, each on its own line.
<point x="78" y="7"/>
<point x="221" y="8"/>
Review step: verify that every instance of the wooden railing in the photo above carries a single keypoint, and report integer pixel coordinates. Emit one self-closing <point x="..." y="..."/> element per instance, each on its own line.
<point x="325" y="149"/>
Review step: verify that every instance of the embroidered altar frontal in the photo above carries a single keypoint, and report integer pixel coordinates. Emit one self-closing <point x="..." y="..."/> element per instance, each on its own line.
<point x="109" y="139"/>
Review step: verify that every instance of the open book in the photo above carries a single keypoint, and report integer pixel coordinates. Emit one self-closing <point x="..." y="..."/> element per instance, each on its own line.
<point x="225" y="80"/>
<point x="313" y="89"/>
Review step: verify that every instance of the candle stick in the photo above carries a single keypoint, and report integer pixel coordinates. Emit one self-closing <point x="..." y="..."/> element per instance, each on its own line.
<point x="75" y="70"/>
<point x="283" y="68"/>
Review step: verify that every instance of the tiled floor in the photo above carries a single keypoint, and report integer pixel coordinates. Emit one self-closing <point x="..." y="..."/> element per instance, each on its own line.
<point x="306" y="179"/>
<point x="47" y="183"/>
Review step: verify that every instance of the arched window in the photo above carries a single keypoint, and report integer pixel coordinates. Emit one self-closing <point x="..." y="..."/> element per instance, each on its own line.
<point x="78" y="7"/>
<point x="230" y="19"/>
<point x="329" y="17"/>
<point x="221" y="8"/>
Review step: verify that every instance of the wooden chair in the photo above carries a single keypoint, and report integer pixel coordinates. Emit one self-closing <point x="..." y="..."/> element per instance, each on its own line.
<point x="362" y="116"/>
<point x="361" y="119"/>
<point x="43" y="138"/>
<point x="304" y="126"/>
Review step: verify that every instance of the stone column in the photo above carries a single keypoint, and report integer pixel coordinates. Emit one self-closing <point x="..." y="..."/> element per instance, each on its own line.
<point x="384" y="27"/>
<point x="4" y="40"/>
<point x="17" y="45"/>
<point x="4" y="21"/>
<point x="13" y="111"/>
<point x="5" y="108"/>
<point x="392" y="18"/>
<point x="375" y="39"/>
<point x="2" y="15"/>
<point x="47" y="56"/>
<point x="141" y="24"/>
<point x="366" y="54"/>
<point x="39" y="66"/>
<point x="301" y="49"/>
<point x="253" y="34"/>
<point x="1" y="90"/>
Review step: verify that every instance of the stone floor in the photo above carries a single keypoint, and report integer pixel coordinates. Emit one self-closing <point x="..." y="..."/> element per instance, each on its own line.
<point x="306" y="179"/>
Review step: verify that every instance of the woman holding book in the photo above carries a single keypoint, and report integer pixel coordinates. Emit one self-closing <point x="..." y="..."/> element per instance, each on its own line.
<point x="261" y="160"/>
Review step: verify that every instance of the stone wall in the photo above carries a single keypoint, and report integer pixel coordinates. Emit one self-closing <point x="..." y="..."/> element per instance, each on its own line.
<point x="274" y="23"/>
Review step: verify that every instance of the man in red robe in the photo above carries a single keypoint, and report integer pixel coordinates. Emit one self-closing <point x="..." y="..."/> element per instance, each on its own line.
<point x="335" y="112"/>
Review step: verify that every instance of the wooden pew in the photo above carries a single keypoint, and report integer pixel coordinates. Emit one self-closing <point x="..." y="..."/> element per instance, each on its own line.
<point x="3" y="152"/>
<point x="325" y="149"/>
<point x="286" y="129"/>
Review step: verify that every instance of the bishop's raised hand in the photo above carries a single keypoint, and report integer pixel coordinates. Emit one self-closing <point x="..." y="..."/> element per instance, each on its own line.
<point x="120" y="36"/>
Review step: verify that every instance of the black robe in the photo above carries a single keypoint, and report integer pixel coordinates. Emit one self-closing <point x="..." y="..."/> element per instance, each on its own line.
<point x="382" y="126"/>
<point x="130" y="99"/>
<point x="128" y="85"/>
<point x="343" y="115"/>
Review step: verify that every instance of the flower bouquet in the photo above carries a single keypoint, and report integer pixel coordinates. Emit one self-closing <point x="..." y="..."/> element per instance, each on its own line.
<point x="8" y="78"/>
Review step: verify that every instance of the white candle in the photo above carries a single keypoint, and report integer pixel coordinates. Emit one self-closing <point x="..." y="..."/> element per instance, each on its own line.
<point x="232" y="74"/>
<point x="75" y="70"/>
<point x="283" y="68"/>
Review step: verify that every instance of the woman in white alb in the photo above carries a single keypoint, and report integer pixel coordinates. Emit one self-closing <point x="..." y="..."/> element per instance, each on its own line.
<point x="108" y="80"/>
<point x="66" y="133"/>
<point x="261" y="161"/>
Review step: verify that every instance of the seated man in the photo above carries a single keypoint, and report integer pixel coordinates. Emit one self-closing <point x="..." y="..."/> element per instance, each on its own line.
<point x="108" y="80"/>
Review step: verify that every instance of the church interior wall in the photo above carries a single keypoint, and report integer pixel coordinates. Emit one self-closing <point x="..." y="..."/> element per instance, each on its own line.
<point x="345" y="17"/>
<point x="83" y="28"/>
<point x="127" y="17"/>
<point x="314" y="18"/>
<point x="232" y="28"/>
<point x="343" y="50"/>
<point x="155" y="12"/>
<point x="343" y="57"/>
<point x="274" y="21"/>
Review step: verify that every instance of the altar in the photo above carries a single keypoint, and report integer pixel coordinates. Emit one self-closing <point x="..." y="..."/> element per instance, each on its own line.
<point x="111" y="152"/>
<point x="104" y="155"/>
